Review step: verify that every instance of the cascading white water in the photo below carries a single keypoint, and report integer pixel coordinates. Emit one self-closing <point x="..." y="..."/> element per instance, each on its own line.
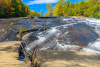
<point x="93" y="47"/>
<point x="53" y="32"/>
<point x="50" y="38"/>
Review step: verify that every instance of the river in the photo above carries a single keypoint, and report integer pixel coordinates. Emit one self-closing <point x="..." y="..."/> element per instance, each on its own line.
<point x="63" y="33"/>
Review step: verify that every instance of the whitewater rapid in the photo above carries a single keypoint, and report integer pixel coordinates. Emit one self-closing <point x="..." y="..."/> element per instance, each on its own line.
<point x="93" y="47"/>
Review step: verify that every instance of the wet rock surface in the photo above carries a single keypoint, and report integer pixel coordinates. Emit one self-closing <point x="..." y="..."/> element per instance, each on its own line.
<point x="70" y="36"/>
<point x="81" y="34"/>
<point x="8" y="28"/>
<point x="52" y="45"/>
<point x="63" y="33"/>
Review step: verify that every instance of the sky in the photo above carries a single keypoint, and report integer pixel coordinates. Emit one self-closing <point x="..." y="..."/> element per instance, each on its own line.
<point x="38" y="5"/>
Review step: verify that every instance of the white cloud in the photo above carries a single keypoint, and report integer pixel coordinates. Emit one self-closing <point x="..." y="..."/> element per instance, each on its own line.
<point x="42" y="2"/>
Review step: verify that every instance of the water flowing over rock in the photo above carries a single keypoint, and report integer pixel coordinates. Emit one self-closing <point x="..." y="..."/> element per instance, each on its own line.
<point x="69" y="34"/>
<point x="65" y="33"/>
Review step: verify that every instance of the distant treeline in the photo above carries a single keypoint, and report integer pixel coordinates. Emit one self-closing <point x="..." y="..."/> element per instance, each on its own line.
<point x="88" y="8"/>
<point x="15" y="8"/>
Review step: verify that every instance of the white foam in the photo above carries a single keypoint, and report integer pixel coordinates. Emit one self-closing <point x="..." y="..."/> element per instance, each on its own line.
<point x="89" y="50"/>
<point x="63" y="46"/>
<point x="95" y="45"/>
<point x="43" y="37"/>
<point x="27" y="49"/>
<point x="92" y="48"/>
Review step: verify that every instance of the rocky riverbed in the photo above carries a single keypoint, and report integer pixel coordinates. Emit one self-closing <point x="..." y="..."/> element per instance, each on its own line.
<point x="63" y="33"/>
<point x="53" y="34"/>
<point x="67" y="33"/>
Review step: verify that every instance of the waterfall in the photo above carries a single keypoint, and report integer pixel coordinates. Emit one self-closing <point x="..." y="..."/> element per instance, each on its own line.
<point x="70" y="34"/>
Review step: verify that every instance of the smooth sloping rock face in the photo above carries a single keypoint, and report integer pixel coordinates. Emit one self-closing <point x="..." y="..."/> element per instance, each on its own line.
<point x="81" y="34"/>
<point x="66" y="59"/>
<point x="64" y="37"/>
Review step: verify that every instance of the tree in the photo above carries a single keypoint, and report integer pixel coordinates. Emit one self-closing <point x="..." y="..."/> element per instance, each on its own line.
<point x="59" y="8"/>
<point x="13" y="8"/>
<point x="88" y="8"/>
<point x="33" y="14"/>
<point x="61" y="1"/>
<point x="67" y="8"/>
<point x="41" y="13"/>
<point x="49" y="10"/>
<point x="1" y="2"/>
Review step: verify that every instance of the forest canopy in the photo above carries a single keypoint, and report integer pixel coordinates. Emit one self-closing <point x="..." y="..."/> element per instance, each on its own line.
<point x="88" y="8"/>
<point x="15" y="8"/>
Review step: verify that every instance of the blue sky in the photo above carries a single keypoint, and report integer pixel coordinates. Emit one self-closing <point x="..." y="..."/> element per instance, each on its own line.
<point x="37" y="5"/>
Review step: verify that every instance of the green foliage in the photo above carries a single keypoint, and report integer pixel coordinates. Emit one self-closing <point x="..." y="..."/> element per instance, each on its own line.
<point x="41" y="13"/>
<point x="49" y="10"/>
<point x="33" y="14"/>
<point x="33" y="22"/>
<point x="15" y="8"/>
<point x="59" y="8"/>
<point x="21" y="30"/>
<point x="87" y="8"/>
<point x="96" y="15"/>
